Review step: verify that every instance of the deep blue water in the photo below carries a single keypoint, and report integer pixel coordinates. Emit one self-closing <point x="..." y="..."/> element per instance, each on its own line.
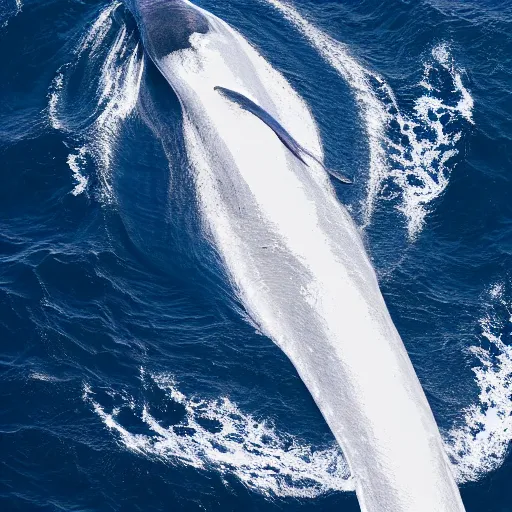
<point x="117" y="320"/>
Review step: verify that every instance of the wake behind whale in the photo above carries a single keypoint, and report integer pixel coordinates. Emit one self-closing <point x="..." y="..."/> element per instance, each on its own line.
<point x="296" y="259"/>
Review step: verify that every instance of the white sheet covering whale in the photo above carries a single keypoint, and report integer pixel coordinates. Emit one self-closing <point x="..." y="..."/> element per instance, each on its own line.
<point x="296" y="259"/>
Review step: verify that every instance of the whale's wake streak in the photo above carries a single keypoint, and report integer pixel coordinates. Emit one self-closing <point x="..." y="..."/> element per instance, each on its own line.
<point x="119" y="56"/>
<point x="297" y="261"/>
<point x="411" y="155"/>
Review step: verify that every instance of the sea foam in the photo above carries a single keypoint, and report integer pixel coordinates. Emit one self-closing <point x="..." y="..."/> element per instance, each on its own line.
<point x="481" y="443"/>
<point x="117" y="53"/>
<point x="251" y="449"/>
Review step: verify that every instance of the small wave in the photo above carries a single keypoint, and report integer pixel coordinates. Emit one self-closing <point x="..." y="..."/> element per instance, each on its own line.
<point x="411" y="154"/>
<point x="43" y="377"/>
<point x="111" y="55"/>
<point x="482" y="443"/>
<point x="215" y="434"/>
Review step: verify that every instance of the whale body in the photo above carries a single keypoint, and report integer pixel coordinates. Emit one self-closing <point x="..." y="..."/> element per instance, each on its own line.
<point x="296" y="258"/>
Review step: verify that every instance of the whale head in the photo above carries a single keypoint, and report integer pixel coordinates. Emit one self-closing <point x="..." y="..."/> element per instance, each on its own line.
<point x="166" y="25"/>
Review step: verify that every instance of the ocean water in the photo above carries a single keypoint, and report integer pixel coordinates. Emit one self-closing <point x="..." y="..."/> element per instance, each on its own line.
<point x="132" y="378"/>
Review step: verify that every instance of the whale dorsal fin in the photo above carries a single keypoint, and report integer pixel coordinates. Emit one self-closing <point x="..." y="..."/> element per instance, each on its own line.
<point x="284" y="136"/>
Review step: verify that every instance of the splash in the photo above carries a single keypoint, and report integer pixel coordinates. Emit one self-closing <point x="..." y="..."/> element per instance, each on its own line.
<point x="482" y="443"/>
<point x="53" y="100"/>
<point x="76" y="162"/>
<point x="117" y="54"/>
<point x="411" y="155"/>
<point x="215" y="434"/>
<point x="423" y="149"/>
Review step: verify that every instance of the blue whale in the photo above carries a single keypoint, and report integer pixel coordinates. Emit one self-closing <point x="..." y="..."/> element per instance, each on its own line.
<point x="294" y="256"/>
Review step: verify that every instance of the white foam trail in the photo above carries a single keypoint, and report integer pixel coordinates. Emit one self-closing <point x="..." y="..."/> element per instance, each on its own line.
<point x="120" y="68"/>
<point x="119" y="84"/>
<point x="418" y="168"/>
<point x="95" y="36"/>
<point x="75" y="162"/>
<point x="253" y="451"/>
<point x="301" y="270"/>
<point x="53" y="101"/>
<point x="483" y="441"/>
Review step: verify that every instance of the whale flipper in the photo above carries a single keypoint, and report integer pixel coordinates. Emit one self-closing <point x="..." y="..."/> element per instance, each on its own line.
<point x="284" y="136"/>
